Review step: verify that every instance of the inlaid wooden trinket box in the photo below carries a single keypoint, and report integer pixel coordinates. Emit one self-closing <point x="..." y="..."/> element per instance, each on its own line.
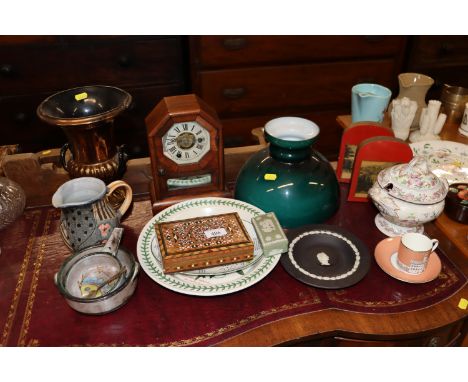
<point x="203" y="242"/>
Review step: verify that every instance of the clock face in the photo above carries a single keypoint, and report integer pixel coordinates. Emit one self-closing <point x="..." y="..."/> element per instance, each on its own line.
<point x="186" y="142"/>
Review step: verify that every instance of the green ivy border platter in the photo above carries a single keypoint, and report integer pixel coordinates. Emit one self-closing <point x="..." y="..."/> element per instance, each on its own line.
<point x="203" y="285"/>
<point x="447" y="159"/>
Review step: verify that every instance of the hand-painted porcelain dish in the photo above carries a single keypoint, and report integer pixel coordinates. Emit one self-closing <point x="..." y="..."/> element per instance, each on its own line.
<point x="446" y="159"/>
<point x="407" y="195"/>
<point x="456" y="202"/>
<point x="326" y="256"/>
<point x="386" y="256"/>
<point x="86" y="270"/>
<point x="203" y="284"/>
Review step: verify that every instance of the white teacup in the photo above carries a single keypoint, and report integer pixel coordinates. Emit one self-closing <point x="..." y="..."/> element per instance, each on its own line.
<point x="414" y="252"/>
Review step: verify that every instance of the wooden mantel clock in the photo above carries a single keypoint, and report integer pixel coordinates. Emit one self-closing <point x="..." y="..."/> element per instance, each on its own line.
<point x="185" y="140"/>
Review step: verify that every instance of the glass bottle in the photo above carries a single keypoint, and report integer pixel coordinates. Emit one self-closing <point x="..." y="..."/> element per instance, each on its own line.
<point x="12" y="201"/>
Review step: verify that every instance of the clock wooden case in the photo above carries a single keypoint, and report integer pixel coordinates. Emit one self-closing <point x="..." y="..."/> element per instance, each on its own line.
<point x="185" y="141"/>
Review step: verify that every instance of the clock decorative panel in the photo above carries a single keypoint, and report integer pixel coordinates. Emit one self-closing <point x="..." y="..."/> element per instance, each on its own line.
<point x="186" y="150"/>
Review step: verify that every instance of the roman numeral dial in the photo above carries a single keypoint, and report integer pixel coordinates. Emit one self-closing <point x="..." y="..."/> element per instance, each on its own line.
<point x="186" y="142"/>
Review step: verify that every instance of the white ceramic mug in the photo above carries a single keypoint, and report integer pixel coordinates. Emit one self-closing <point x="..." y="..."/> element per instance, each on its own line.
<point x="414" y="252"/>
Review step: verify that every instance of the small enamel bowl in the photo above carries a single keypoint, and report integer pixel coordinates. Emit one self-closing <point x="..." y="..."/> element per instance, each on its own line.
<point x="456" y="202"/>
<point x="88" y="269"/>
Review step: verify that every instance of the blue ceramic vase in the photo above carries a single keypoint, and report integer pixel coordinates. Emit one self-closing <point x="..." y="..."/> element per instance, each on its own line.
<point x="289" y="178"/>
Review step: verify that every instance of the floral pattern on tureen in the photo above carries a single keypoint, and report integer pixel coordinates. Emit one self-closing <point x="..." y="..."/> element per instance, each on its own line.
<point x="413" y="182"/>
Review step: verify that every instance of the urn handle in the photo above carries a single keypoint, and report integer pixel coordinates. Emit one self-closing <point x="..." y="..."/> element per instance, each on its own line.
<point x="122" y="159"/>
<point x="63" y="153"/>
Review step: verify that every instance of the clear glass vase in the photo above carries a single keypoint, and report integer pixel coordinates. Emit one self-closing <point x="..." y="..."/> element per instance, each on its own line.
<point x="12" y="201"/>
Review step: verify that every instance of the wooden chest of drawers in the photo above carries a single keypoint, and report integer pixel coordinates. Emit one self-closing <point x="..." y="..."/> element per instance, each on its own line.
<point x="444" y="58"/>
<point x="251" y="79"/>
<point x="32" y="68"/>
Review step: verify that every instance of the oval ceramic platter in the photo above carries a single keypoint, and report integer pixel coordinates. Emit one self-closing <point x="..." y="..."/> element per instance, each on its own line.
<point x="446" y="159"/>
<point x="202" y="284"/>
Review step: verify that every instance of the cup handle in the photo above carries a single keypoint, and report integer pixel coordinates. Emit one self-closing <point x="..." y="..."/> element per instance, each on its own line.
<point x="435" y="244"/>
<point x="128" y="194"/>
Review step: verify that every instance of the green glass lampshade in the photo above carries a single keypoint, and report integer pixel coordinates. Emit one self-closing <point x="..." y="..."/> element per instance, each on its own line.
<point x="289" y="178"/>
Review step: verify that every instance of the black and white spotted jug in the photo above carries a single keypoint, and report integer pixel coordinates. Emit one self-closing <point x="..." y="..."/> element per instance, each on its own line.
<point x="87" y="217"/>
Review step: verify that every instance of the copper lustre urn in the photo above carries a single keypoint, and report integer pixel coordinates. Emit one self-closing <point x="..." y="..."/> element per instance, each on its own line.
<point x="86" y="115"/>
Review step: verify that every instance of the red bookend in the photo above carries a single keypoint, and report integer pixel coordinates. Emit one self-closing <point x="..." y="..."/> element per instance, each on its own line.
<point x="372" y="156"/>
<point x="352" y="136"/>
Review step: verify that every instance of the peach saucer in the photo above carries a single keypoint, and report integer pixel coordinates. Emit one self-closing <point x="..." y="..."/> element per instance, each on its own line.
<point x="386" y="254"/>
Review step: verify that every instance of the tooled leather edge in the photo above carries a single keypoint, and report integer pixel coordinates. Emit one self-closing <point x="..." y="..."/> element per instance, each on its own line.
<point x="451" y="280"/>
<point x="36" y="214"/>
<point x="35" y="280"/>
<point x="225" y="329"/>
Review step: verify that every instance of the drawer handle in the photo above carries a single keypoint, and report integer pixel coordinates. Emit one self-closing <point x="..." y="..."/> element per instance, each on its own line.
<point x="445" y="49"/>
<point x="7" y="70"/>
<point x="234" y="43"/>
<point x="373" y="38"/>
<point x="365" y="80"/>
<point x="21" y="117"/>
<point x="233" y="93"/>
<point x="125" y="61"/>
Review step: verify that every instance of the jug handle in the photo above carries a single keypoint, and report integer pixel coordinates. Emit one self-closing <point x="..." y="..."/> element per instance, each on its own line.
<point x="112" y="187"/>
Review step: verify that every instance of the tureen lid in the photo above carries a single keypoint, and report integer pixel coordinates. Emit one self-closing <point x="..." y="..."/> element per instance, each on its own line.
<point x="413" y="182"/>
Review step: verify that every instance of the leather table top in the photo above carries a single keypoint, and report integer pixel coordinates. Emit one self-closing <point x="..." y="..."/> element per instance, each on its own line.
<point x="33" y="313"/>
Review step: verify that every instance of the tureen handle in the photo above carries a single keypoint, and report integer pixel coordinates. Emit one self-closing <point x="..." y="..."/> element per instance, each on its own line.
<point x="417" y="165"/>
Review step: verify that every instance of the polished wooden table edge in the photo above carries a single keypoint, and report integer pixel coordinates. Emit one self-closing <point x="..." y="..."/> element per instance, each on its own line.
<point x="333" y="321"/>
<point x="412" y="324"/>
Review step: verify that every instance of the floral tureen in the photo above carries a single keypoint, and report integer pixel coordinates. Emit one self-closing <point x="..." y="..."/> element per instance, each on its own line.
<point x="407" y="196"/>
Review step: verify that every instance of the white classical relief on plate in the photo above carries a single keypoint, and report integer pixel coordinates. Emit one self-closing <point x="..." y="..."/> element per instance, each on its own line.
<point x="323" y="258"/>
